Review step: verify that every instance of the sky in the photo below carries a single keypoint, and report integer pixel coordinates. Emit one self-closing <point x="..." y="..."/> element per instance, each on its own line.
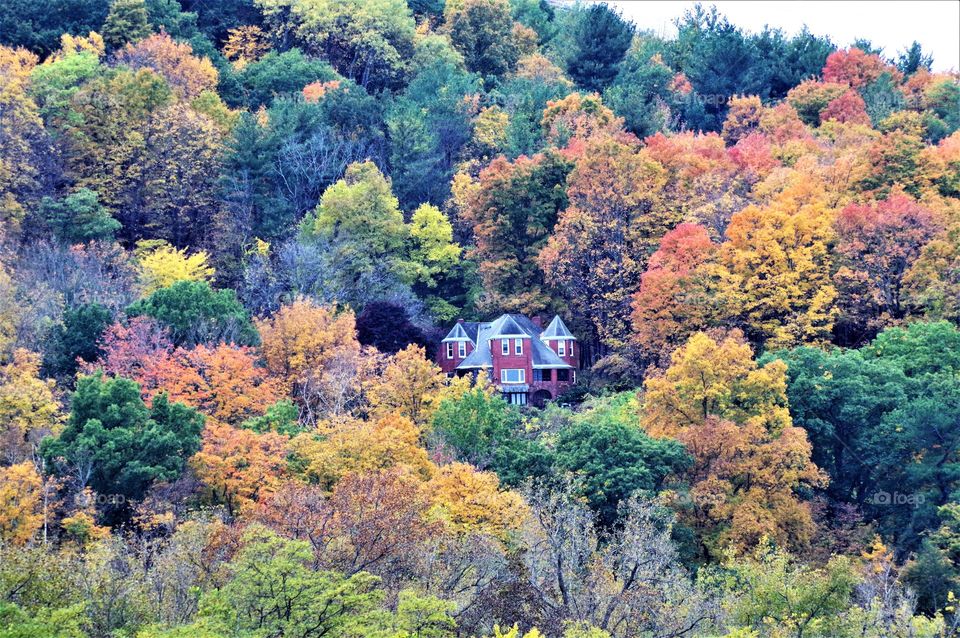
<point x="892" y="25"/>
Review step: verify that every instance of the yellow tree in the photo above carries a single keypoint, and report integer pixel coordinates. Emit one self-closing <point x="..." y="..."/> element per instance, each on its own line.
<point x="773" y="270"/>
<point x="472" y="501"/>
<point x="600" y="246"/>
<point x="409" y="386"/>
<point x="239" y="466"/>
<point x="11" y="311"/>
<point x="21" y="511"/>
<point x="186" y="74"/>
<point x="162" y="265"/>
<point x="732" y="415"/>
<point x="28" y="409"/>
<point x="20" y="129"/>
<point x="344" y="446"/>
<point x="314" y="349"/>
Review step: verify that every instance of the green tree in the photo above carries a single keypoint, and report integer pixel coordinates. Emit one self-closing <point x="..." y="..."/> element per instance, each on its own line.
<point x="79" y="217"/>
<point x="604" y="448"/>
<point x="126" y="22"/>
<point x="274" y="590"/>
<point x="277" y="74"/>
<point x="77" y="337"/>
<point x="836" y="396"/>
<point x="368" y="41"/>
<point x="773" y="588"/>
<point x="196" y="313"/>
<point x="641" y="93"/>
<point x="482" y="30"/>
<point x="360" y="219"/>
<point x="602" y="38"/>
<point x="423" y="616"/>
<point x="116" y="445"/>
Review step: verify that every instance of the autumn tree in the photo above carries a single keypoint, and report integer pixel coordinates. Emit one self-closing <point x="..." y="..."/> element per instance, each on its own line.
<point x="848" y="108"/>
<point x="182" y="150"/>
<point x="186" y="74"/>
<point x="28" y="409"/>
<point x="163" y="265"/>
<point x="21" y="133"/>
<point x="314" y="349"/>
<point x="601" y="243"/>
<point x="129" y="348"/>
<point x="933" y="281"/>
<point x="376" y="522"/>
<point x="703" y="182"/>
<point x="853" y="67"/>
<point x="513" y="209"/>
<point x="347" y="445"/>
<point x="107" y="131"/>
<point x="674" y="299"/>
<point x="20" y="503"/>
<point x="576" y="118"/>
<point x="238" y="466"/>
<point x="748" y="456"/>
<point x="471" y="501"/>
<point x="877" y="243"/>
<point x="408" y="386"/>
<point x="224" y="382"/>
<point x="773" y="270"/>
<point x="742" y="118"/>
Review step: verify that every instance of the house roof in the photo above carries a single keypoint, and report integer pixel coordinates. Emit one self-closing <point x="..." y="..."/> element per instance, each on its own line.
<point x="458" y="333"/>
<point x="510" y="326"/>
<point x="557" y="330"/>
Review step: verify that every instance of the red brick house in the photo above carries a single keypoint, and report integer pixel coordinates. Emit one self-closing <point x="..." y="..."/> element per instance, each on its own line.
<point x="527" y="363"/>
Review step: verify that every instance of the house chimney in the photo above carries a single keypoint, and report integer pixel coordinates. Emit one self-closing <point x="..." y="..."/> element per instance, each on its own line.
<point x="537" y="321"/>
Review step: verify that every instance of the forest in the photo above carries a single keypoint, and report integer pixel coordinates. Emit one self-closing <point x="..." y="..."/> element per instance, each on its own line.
<point x="234" y="232"/>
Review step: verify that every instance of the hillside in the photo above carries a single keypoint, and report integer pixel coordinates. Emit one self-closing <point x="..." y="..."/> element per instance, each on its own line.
<point x="473" y="319"/>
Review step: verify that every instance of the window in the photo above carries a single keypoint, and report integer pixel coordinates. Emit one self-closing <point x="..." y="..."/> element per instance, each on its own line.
<point x="505" y="345"/>
<point x="513" y="375"/>
<point x="516" y="398"/>
<point x="541" y="375"/>
<point x="462" y="349"/>
<point x="563" y="375"/>
<point x="518" y="346"/>
<point x="449" y="351"/>
<point x="562" y="348"/>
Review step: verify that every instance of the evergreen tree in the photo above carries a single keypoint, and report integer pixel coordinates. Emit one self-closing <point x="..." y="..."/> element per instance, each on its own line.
<point x="602" y="39"/>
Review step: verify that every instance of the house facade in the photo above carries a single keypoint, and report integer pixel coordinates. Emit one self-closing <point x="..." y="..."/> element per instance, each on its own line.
<point x="529" y="364"/>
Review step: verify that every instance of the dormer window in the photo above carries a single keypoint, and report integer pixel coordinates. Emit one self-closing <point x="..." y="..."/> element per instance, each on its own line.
<point x="505" y="346"/>
<point x="518" y="346"/>
<point x="462" y="349"/>
<point x="449" y="351"/>
<point x="562" y="348"/>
